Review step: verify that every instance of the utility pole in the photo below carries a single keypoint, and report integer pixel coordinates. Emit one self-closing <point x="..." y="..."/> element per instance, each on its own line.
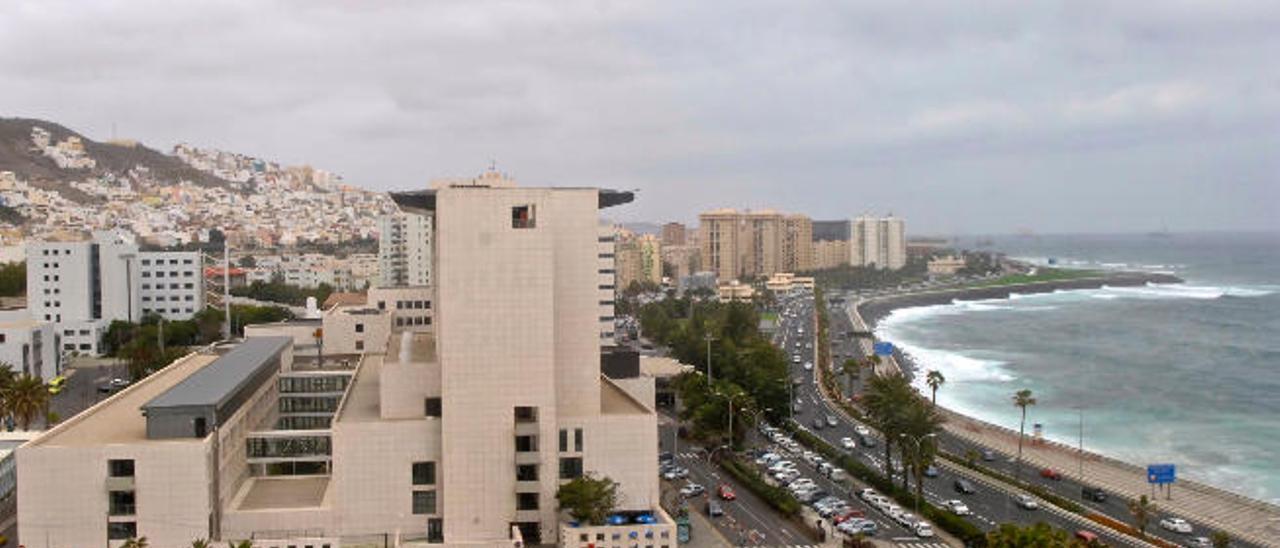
<point x="709" y="338"/>
<point x="226" y="286"/>
<point x="1080" y="450"/>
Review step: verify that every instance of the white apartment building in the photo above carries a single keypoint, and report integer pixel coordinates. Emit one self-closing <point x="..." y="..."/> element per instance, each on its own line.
<point x="879" y="242"/>
<point x="83" y="286"/>
<point x="172" y="283"/>
<point x="454" y="433"/>
<point x="404" y="249"/>
<point x="29" y="345"/>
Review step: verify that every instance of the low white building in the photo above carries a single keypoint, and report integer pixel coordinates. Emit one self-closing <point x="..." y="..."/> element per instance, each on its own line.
<point x="29" y="346"/>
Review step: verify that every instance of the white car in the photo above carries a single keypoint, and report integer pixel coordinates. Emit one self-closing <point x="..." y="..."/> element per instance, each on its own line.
<point x="1177" y="525"/>
<point x="692" y="490"/>
<point x="866" y="494"/>
<point x="906" y="519"/>
<point x="802" y="483"/>
<point x="862" y="430"/>
<point x="957" y="507"/>
<point x="923" y="530"/>
<point x="808" y="366"/>
<point x="893" y="511"/>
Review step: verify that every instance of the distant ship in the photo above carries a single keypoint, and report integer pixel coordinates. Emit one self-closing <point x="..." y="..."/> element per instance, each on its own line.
<point x="1163" y="233"/>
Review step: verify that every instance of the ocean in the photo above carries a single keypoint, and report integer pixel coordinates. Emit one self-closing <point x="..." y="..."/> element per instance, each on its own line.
<point x="1186" y="374"/>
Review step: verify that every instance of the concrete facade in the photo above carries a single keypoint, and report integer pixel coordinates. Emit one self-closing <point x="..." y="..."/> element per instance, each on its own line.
<point x="29" y="346"/>
<point x="879" y="242"/>
<point x="751" y="244"/>
<point x="404" y="250"/>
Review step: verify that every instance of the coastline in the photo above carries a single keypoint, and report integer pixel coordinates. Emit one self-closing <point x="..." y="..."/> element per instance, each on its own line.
<point x="1210" y="504"/>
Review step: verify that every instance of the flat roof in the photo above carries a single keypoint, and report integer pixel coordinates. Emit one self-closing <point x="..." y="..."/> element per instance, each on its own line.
<point x="364" y="394"/>
<point x="279" y="493"/>
<point x="116" y="419"/>
<point x="214" y="385"/>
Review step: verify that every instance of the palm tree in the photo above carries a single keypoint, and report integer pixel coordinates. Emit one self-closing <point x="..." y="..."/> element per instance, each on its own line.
<point x="241" y="544"/>
<point x="1141" y="510"/>
<point x="886" y="398"/>
<point x="27" y="398"/>
<point x="921" y="424"/>
<point x="7" y="376"/>
<point x="201" y="543"/>
<point x="935" y="381"/>
<point x="1022" y="399"/>
<point x="138" y="542"/>
<point x="851" y="369"/>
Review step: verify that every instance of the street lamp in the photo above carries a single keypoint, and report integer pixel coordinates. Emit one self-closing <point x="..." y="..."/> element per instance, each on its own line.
<point x="917" y="441"/>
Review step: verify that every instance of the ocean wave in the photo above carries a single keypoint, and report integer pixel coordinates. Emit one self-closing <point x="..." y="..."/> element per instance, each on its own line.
<point x="955" y="366"/>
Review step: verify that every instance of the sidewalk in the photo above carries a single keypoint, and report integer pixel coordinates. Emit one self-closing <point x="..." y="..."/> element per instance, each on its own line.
<point x="702" y="534"/>
<point x="1244" y="518"/>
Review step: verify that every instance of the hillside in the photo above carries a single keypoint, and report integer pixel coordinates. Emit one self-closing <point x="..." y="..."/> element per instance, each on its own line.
<point x="55" y="181"/>
<point x="18" y="155"/>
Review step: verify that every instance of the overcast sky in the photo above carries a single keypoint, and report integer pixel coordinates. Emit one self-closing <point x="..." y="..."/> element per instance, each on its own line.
<point x="961" y="117"/>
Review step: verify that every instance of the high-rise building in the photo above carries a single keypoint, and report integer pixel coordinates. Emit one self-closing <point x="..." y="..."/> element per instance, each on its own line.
<point x="753" y="244"/>
<point x="878" y="242"/>
<point x="404" y="250"/>
<point x="673" y="234"/>
<point x="831" y="241"/>
<point x="83" y="286"/>
<point x="457" y="429"/>
<point x="638" y="259"/>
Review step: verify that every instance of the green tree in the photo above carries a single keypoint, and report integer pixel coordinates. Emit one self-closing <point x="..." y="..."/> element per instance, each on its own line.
<point x="13" y="279"/>
<point x="935" y="380"/>
<point x="1220" y="539"/>
<point x="1141" y="510"/>
<point x="26" y="398"/>
<point x="137" y="542"/>
<point x="885" y="398"/>
<point x="1022" y="399"/>
<point x="1040" y="535"/>
<point x="240" y="544"/>
<point x="852" y="369"/>
<point x="201" y="543"/>
<point x="921" y="424"/>
<point x="588" y="499"/>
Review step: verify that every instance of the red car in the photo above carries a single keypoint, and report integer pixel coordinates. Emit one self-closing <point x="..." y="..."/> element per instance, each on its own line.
<point x="849" y="515"/>
<point x="1049" y="473"/>
<point x="726" y="492"/>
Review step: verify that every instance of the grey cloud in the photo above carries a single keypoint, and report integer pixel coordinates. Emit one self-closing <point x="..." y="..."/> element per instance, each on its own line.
<point x="978" y="116"/>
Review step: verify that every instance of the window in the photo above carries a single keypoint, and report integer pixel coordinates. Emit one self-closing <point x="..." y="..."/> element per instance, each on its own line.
<point x="564" y="440"/>
<point x="605" y="255"/>
<point x="435" y="530"/>
<point x="424" y="502"/>
<point x="359" y="345"/>
<point x="382" y="305"/>
<point x="424" y="473"/>
<point x="2" y="337"/>
<point x="526" y="414"/>
<point x="570" y="467"/>
<point x="173" y="261"/>
<point x="577" y="439"/>
<point x="186" y="261"/>
<point x="359" y="328"/>
<point x="146" y="286"/>
<point x="526" y="472"/>
<point x="522" y="217"/>
<point x="121" y="530"/>
<point x="121" y="503"/>
<point x="120" y="468"/>
<point x="146" y="262"/>
<point x="85" y="346"/>
<point x="526" y="501"/>
<point x="526" y="444"/>
<point x="608" y="287"/>
<point x="433" y="408"/>
<point x="188" y="285"/>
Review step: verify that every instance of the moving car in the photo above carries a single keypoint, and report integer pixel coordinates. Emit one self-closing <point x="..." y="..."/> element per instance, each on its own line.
<point x="862" y="430"/>
<point x="831" y="421"/>
<point x="692" y="490"/>
<point x="818" y="424"/>
<point x="1087" y="536"/>
<point x="957" y="507"/>
<point x="988" y="455"/>
<point x="1049" y="473"/>
<point x="808" y="366"/>
<point x="713" y="508"/>
<point x="931" y="471"/>
<point x="726" y="492"/>
<point x="867" y="440"/>
<point x="1200" y="542"/>
<point x="1177" y="525"/>
<point x="847" y="443"/>
<point x="1025" y="502"/>
<point x="1095" y="494"/>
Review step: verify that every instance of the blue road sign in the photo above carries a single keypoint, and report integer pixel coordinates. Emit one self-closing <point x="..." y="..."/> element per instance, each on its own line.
<point x="884" y="349"/>
<point x="1161" y="474"/>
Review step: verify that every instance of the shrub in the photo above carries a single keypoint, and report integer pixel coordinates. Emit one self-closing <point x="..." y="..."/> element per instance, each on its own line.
<point x="777" y="497"/>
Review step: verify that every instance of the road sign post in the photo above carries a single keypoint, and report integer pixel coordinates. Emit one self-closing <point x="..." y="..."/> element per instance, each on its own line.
<point x="884" y="349"/>
<point x="1163" y="475"/>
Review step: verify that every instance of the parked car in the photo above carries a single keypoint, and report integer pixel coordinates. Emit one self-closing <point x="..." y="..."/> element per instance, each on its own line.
<point x="1025" y="502"/>
<point x="1200" y="542"/>
<point x="713" y="508"/>
<point x="1049" y="473"/>
<point x="905" y="519"/>
<point x="1095" y="494"/>
<point x="676" y="473"/>
<point x="818" y="424"/>
<point x="726" y="492"/>
<point x="867" y="440"/>
<point x="957" y="507"/>
<point x="57" y="384"/>
<point x="1087" y="536"/>
<point x="831" y="421"/>
<point x="692" y="490"/>
<point x="931" y="471"/>
<point x="862" y="430"/>
<point x="866" y="494"/>
<point x="923" y="530"/>
<point x="847" y="443"/>
<point x="1177" y="525"/>
<point x="988" y="455"/>
<point x="964" y="487"/>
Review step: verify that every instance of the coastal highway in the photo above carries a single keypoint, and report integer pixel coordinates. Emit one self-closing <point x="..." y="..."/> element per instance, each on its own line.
<point x="999" y="509"/>
<point x="990" y="506"/>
